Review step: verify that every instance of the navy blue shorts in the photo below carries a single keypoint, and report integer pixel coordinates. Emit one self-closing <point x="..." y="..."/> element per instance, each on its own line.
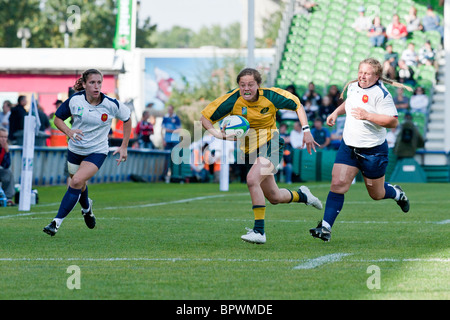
<point x="372" y="162"/>
<point x="95" y="158"/>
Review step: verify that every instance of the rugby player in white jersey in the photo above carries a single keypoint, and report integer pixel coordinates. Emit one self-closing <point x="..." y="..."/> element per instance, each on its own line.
<point x="92" y="113"/>
<point x="369" y="110"/>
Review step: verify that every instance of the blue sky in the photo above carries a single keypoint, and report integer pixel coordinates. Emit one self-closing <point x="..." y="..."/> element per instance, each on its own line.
<point x="192" y="14"/>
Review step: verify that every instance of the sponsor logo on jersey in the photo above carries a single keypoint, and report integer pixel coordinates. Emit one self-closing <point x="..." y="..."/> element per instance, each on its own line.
<point x="264" y="110"/>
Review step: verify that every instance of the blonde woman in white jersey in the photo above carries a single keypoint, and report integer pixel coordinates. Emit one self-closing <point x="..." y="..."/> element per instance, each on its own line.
<point x="92" y="113"/>
<point x="369" y="110"/>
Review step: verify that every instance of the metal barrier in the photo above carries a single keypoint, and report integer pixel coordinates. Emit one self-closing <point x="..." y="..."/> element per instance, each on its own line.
<point x="49" y="164"/>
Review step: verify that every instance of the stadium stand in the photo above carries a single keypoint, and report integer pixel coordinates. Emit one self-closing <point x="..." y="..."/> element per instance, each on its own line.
<point x="323" y="47"/>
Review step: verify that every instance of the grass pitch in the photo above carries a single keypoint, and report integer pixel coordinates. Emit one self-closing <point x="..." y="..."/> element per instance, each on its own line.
<point x="182" y="242"/>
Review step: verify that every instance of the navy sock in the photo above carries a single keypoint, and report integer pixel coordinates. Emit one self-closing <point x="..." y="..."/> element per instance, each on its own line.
<point x="259" y="226"/>
<point x="390" y="191"/>
<point x="334" y="204"/>
<point x="68" y="202"/>
<point x="84" y="200"/>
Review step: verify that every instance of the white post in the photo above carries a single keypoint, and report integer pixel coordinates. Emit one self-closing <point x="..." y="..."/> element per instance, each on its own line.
<point x="224" y="168"/>
<point x="26" y="178"/>
<point x="251" y="34"/>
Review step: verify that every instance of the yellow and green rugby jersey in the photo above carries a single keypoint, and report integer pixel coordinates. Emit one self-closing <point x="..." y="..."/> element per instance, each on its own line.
<point x="261" y="114"/>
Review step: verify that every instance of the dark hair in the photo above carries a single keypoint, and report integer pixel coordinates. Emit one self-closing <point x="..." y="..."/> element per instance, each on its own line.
<point x="78" y="86"/>
<point x="250" y="72"/>
<point x="20" y="99"/>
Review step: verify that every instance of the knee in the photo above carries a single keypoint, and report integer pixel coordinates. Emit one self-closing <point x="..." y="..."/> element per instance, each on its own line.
<point x="273" y="199"/>
<point x="339" y="187"/>
<point x="376" y="195"/>
<point x="76" y="182"/>
<point x="252" y="181"/>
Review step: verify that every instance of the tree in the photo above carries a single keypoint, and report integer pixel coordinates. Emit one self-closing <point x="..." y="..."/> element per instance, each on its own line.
<point x="43" y="18"/>
<point x="15" y="15"/>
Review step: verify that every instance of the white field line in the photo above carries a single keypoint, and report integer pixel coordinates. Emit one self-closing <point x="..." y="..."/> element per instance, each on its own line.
<point x="317" y="262"/>
<point x="146" y="205"/>
<point x="125" y="218"/>
<point x="306" y="263"/>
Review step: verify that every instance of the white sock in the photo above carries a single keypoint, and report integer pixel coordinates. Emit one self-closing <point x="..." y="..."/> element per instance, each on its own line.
<point x="397" y="194"/>
<point x="58" y="221"/>
<point x="326" y="225"/>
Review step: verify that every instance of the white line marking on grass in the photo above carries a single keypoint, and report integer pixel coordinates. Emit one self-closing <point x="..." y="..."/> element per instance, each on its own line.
<point x="316" y="262"/>
<point x="443" y="222"/>
<point x="307" y="263"/>
<point x="133" y="206"/>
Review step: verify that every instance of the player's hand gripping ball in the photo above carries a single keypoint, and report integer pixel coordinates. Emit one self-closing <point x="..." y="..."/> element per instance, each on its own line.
<point x="235" y="125"/>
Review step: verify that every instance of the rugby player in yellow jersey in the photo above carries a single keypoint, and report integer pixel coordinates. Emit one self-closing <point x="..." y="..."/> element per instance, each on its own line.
<point x="262" y="148"/>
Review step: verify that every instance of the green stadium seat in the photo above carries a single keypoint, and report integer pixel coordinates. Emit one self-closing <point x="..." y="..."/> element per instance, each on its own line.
<point x="330" y="41"/>
<point x="361" y="49"/>
<point x="344" y="49"/>
<point x="306" y="67"/>
<point x="312" y="41"/>
<point x="316" y="24"/>
<point x="348" y="41"/>
<point x="308" y="49"/>
<point x="328" y="50"/>
<point x="341" y="67"/>
<point x="343" y="58"/>
<point x="331" y="32"/>
<point x="435" y="38"/>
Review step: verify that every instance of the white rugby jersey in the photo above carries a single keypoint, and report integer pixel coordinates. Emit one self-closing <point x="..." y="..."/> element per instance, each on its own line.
<point x="93" y="121"/>
<point x="375" y="99"/>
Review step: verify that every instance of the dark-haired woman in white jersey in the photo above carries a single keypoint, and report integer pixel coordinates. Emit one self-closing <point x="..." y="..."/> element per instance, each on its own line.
<point x="92" y="113"/>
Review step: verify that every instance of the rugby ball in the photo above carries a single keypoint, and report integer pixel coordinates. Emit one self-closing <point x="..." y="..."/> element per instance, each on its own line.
<point x="235" y="125"/>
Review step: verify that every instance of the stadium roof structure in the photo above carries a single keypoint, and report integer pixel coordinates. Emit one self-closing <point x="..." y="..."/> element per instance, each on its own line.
<point x="59" y="60"/>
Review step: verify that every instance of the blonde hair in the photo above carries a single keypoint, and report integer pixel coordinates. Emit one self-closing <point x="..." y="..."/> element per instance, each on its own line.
<point x="376" y="65"/>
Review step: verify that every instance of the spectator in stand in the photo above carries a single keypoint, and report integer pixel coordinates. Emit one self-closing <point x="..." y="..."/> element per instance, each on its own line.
<point x="413" y="21"/>
<point x="431" y="21"/>
<point x="296" y="136"/>
<point x="408" y="139"/>
<point x="326" y="108"/>
<point x="170" y="123"/>
<point x="4" y="115"/>
<point x="405" y="74"/>
<point x="16" y="119"/>
<point x="201" y="161"/>
<point x="335" y="96"/>
<point x="336" y="133"/>
<point x="313" y="96"/>
<point x="311" y="112"/>
<point x="321" y="134"/>
<point x="6" y="175"/>
<point x="304" y="7"/>
<point x="286" y="114"/>
<point x="287" y="153"/>
<point x="362" y="23"/>
<point x="43" y="117"/>
<point x="427" y="55"/>
<point x="144" y="129"/>
<point x="396" y="30"/>
<point x="391" y="136"/>
<point x="419" y="100"/>
<point x="390" y="63"/>
<point x="377" y="33"/>
<point x="401" y="102"/>
<point x="409" y="55"/>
